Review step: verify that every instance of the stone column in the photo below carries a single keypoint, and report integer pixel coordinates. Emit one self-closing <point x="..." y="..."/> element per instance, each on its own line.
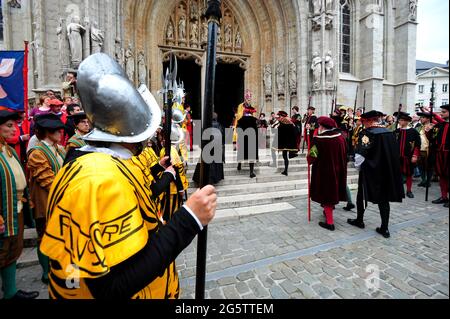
<point x="371" y="54"/>
<point x="405" y="72"/>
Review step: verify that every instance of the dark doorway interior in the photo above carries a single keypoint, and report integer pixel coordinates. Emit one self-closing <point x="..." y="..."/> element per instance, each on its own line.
<point x="229" y="91"/>
<point x="190" y="73"/>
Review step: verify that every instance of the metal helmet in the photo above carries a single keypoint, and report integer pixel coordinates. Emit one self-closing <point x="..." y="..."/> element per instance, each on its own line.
<point x="118" y="112"/>
<point x="178" y="116"/>
<point x="177" y="134"/>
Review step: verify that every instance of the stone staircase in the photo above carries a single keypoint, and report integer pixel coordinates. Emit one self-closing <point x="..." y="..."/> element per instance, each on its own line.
<point x="238" y="192"/>
<point x="239" y="195"/>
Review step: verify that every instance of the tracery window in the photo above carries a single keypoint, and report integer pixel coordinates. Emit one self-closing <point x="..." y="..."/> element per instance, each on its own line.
<point x="345" y="36"/>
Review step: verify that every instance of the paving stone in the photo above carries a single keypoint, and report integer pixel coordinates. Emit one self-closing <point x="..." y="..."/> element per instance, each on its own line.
<point x="278" y="275"/>
<point x="420" y="286"/>
<point x="422" y="279"/>
<point x="227" y="281"/>
<point x="307" y="291"/>
<point x="230" y="292"/>
<point x="288" y="287"/>
<point x="246" y="276"/>
<point x="256" y="287"/>
<point x="277" y="293"/>
<point x="344" y="293"/>
<point x="322" y="291"/>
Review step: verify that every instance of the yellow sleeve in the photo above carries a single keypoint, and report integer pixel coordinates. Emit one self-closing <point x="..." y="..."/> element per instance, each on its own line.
<point x="184" y="152"/>
<point x="40" y="169"/>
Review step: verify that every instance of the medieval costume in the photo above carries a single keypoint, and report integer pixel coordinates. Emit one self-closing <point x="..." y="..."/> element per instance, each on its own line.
<point x="380" y="181"/>
<point x="114" y="236"/>
<point x="297" y="120"/>
<point x="173" y="198"/>
<point x="426" y="160"/>
<point x="44" y="162"/>
<point x="240" y="113"/>
<point x="439" y="140"/>
<point x="248" y="150"/>
<point x="286" y="139"/>
<point x="328" y="156"/>
<point x="309" y="120"/>
<point x="12" y="189"/>
<point x="409" y="145"/>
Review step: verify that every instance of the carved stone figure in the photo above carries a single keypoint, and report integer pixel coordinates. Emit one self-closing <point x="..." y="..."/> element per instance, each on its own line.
<point x="317" y="7"/>
<point x="329" y="21"/>
<point x="219" y="36"/>
<point x="129" y="63"/>
<point x="142" y="69"/>
<point x="293" y="76"/>
<point x="182" y="28"/>
<point x="194" y="32"/>
<point x="170" y="31"/>
<point x="281" y="79"/>
<point x="329" y="69"/>
<point x="97" y="38"/>
<point x="316" y="68"/>
<point x="238" y="40"/>
<point x="204" y="32"/>
<point x="268" y="80"/>
<point x="74" y="32"/>
<point x="62" y="44"/>
<point x="413" y="10"/>
<point x="228" y="35"/>
<point x="194" y="10"/>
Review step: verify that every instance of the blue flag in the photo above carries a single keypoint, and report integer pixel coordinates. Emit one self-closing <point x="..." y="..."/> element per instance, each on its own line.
<point x="11" y="80"/>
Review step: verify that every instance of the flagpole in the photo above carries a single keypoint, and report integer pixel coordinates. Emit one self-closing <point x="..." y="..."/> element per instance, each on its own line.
<point x="213" y="14"/>
<point x="26" y="123"/>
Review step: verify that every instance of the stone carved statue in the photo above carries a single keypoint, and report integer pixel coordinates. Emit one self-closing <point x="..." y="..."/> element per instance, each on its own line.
<point x="170" y="31"/>
<point x="316" y="23"/>
<point x="129" y="63"/>
<point x="142" y="69"/>
<point x="316" y="68"/>
<point x="238" y="40"/>
<point x="182" y="28"/>
<point x="62" y="44"/>
<point x="329" y="21"/>
<point x="228" y="35"/>
<point x="219" y="36"/>
<point x="293" y="76"/>
<point x="329" y="69"/>
<point x="268" y="80"/>
<point x="317" y="7"/>
<point x="204" y="31"/>
<point x="281" y="80"/>
<point x="194" y="32"/>
<point x="413" y="10"/>
<point x="74" y="32"/>
<point x="97" y="39"/>
<point x="194" y="10"/>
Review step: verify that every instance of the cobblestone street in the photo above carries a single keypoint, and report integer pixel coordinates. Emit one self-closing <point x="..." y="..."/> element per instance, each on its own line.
<point x="280" y="255"/>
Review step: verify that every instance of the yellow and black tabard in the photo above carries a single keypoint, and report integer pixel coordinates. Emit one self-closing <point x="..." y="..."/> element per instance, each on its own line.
<point x="100" y="214"/>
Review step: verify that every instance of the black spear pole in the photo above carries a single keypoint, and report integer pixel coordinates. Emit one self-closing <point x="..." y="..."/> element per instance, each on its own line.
<point x="213" y="14"/>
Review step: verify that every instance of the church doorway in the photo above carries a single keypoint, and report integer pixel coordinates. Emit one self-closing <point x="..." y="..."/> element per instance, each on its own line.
<point x="229" y="91"/>
<point x="189" y="73"/>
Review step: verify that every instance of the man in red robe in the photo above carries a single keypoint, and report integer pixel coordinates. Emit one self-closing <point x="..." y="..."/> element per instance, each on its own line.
<point x="409" y="145"/>
<point x="439" y="140"/>
<point x="328" y="156"/>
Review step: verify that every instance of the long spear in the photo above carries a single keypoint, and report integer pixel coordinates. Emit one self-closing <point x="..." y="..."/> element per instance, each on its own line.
<point x="308" y="134"/>
<point x="427" y="190"/>
<point x="213" y="14"/>
<point x="400" y="107"/>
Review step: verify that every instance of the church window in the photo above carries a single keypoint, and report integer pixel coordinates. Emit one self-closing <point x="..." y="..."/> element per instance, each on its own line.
<point x="1" y="21"/>
<point x="346" y="34"/>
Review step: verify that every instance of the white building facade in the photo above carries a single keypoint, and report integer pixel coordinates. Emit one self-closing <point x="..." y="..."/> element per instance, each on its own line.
<point x="425" y="80"/>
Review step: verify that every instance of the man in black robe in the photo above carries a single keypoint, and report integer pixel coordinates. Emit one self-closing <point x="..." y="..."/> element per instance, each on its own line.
<point x="248" y="139"/>
<point x="380" y="181"/>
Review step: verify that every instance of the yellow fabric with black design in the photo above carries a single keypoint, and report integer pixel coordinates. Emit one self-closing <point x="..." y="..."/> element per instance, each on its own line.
<point x="96" y="220"/>
<point x="179" y="166"/>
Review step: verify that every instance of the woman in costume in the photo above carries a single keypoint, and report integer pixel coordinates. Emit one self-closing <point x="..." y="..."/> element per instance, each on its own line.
<point x="12" y="186"/>
<point x="82" y="127"/>
<point x="44" y="162"/>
